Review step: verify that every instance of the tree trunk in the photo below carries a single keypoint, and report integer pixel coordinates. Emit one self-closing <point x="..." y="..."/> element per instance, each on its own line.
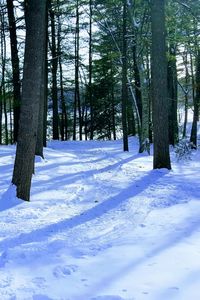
<point x="185" y="60"/>
<point x="54" y="70"/>
<point x="138" y="93"/>
<point x="172" y="96"/>
<point x="161" y="158"/>
<point x="124" y="80"/>
<point x="64" y="126"/>
<point x="41" y="131"/>
<point x="3" y="59"/>
<point x="46" y="90"/>
<point x="144" y="134"/>
<point x="90" y="75"/>
<point x="35" y="14"/>
<point x="15" y="67"/>
<point x="113" y="113"/>
<point x="192" y="77"/>
<point x="63" y="123"/>
<point x="77" y="99"/>
<point x="5" y="110"/>
<point x="193" y="137"/>
<point x="150" y="95"/>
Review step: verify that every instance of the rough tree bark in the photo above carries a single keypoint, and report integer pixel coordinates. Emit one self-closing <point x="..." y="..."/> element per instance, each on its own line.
<point x="161" y="158"/>
<point x="35" y="14"/>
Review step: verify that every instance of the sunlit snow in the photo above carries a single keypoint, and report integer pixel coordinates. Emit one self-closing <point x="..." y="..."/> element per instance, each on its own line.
<point x="101" y="225"/>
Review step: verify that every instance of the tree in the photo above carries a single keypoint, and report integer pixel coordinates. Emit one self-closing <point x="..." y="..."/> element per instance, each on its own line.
<point x="77" y="100"/>
<point x="90" y="72"/>
<point x="42" y="118"/>
<point x="172" y="95"/>
<point x="54" y="70"/>
<point x="35" y="14"/>
<point x="15" y="67"/>
<point x="159" y="86"/>
<point x="124" y="79"/>
<point x="193" y="137"/>
<point x="3" y="104"/>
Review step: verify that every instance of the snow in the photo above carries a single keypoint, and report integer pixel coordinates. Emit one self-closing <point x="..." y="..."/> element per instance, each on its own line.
<point x="101" y="225"/>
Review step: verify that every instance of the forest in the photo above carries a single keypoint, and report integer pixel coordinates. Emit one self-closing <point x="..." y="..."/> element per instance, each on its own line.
<point x="84" y="70"/>
<point x="99" y="149"/>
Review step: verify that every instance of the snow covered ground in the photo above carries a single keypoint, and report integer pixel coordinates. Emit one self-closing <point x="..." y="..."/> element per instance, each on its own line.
<point x="101" y="225"/>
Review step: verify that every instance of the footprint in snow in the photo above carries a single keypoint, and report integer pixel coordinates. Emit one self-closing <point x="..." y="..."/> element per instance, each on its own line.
<point x="145" y="293"/>
<point x="174" y="288"/>
<point x="66" y="270"/>
<point x="39" y="282"/>
<point x="5" y="282"/>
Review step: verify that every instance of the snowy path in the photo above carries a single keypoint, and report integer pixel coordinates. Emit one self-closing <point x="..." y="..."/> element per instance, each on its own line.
<point x="101" y="225"/>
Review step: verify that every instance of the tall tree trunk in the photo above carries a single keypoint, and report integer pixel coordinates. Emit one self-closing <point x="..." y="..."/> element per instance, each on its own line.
<point x="10" y="120"/>
<point x="5" y="109"/>
<point x="161" y="158"/>
<point x="90" y="74"/>
<point x="193" y="137"/>
<point x="185" y="61"/>
<point x="138" y="93"/>
<point x="192" y="77"/>
<point x="172" y="96"/>
<point x="3" y="59"/>
<point x="124" y="80"/>
<point x="131" y="118"/>
<point x="54" y="69"/>
<point x="113" y="113"/>
<point x="63" y="123"/>
<point x="35" y="14"/>
<point x="150" y="95"/>
<point x="113" y="103"/>
<point x="41" y="130"/>
<point x="77" y="100"/>
<point x="144" y="134"/>
<point x="46" y="88"/>
<point x="15" y="67"/>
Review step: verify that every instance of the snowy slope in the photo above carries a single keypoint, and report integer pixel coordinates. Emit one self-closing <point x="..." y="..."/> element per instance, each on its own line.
<point x="101" y="225"/>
